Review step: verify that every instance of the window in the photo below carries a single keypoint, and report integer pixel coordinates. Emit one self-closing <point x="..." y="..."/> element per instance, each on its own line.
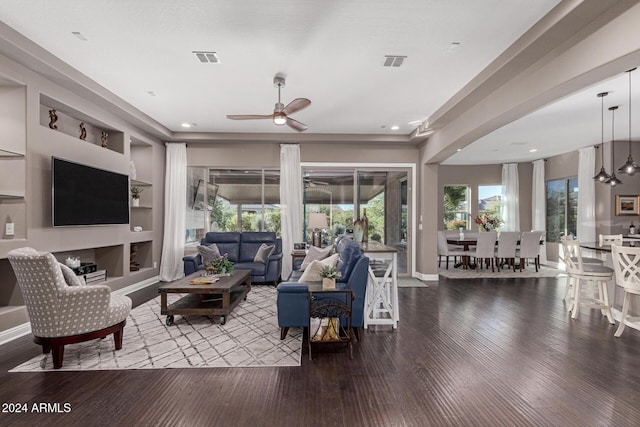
<point x="562" y="208"/>
<point x="489" y="199"/>
<point x="456" y="207"/>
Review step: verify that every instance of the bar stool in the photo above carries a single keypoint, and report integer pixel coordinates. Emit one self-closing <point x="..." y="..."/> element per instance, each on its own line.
<point x="626" y="261"/>
<point x="585" y="260"/>
<point x="594" y="296"/>
<point x="610" y="239"/>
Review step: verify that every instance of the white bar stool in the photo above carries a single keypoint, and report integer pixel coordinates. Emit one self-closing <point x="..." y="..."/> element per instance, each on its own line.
<point x="626" y="261"/>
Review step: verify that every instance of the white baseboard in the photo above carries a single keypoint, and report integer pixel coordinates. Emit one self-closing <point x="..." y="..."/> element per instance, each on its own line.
<point x="25" y="329"/>
<point x="427" y="277"/>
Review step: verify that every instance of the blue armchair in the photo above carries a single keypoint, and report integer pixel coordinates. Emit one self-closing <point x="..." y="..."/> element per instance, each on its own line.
<point x="293" y="297"/>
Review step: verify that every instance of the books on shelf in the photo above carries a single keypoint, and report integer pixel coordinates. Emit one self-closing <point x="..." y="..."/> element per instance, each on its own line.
<point x="204" y="280"/>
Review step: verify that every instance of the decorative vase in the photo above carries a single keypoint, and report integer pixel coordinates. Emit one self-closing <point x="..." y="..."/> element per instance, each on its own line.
<point x="328" y="283"/>
<point x="135" y="202"/>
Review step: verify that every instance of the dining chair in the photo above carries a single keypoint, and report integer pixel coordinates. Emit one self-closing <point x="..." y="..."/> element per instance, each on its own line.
<point x="595" y="294"/>
<point x="610" y="239"/>
<point x="485" y="249"/>
<point x="585" y="260"/>
<point x="506" y="250"/>
<point x="445" y="250"/>
<point x="529" y="248"/>
<point x="626" y="261"/>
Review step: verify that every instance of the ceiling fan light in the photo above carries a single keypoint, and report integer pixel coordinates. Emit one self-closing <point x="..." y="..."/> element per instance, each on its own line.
<point x="279" y="120"/>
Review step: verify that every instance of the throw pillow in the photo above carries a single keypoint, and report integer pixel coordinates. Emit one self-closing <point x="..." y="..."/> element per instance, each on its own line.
<point x="315" y="253"/>
<point x="312" y="272"/>
<point x="209" y="253"/>
<point x="264" y="252"/>
<point x="70" y="277"/>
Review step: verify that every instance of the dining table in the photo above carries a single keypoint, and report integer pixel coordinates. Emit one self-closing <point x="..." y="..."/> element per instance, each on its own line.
<point x="465" y="242"/>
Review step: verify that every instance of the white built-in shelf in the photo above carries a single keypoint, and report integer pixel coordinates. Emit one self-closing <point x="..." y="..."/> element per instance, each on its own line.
<point x="7" y="153"/>
<point x="140" y="183"/>
<point x="11" y="196"/>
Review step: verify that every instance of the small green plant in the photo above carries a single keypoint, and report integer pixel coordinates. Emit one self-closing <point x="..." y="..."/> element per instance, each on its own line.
<point x="330" y="272"/>
<point x="135" y="192"/>
<point x="219" y="265"/>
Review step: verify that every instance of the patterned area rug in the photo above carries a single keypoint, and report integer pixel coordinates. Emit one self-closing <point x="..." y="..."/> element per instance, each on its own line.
<point x="530" y="271"/>
<point x="411" y="282"/>
<point x="250" y="338"/>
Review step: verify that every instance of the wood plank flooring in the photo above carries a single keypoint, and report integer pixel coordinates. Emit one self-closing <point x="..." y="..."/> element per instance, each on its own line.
<point x="491" y="352"/>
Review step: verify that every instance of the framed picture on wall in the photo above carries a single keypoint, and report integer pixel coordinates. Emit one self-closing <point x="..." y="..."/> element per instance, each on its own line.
<point x="627" y="205"/>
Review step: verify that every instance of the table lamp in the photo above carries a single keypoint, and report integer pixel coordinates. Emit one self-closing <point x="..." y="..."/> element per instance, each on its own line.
<point x="317" y="221"/>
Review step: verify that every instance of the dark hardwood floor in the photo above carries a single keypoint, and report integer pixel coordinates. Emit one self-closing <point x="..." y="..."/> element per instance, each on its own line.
<point x="484" y="353"/>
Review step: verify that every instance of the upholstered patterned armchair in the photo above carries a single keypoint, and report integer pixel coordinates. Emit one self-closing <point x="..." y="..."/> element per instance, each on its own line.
<point x="62" y="309"/>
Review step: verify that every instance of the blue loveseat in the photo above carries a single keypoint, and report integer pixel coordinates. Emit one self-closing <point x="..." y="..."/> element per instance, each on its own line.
<point x="293" y="296"/>
<point x="241" y="248"/>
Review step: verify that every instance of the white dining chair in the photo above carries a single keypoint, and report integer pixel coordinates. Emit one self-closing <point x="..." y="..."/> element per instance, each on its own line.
<point x="485" y="249"/>
<point x="610" y="239"/>
<point x="626" y="261"/>
<point x="506" y="251"/>
<point x="530" y="248"/>
<point x="444" y="250"/>
<point x="594" y="293"/>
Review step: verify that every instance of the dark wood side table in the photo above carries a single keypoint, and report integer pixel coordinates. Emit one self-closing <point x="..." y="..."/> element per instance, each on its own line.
<point x="332" y="308"/>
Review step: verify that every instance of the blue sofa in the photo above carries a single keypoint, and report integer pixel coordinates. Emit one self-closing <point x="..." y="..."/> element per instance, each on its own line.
<point x="241" y="249"/>
<point x="293" y="296"/>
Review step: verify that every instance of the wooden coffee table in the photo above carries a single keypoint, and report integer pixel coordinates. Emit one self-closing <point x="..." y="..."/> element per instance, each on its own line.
<point x="216" y="299"/>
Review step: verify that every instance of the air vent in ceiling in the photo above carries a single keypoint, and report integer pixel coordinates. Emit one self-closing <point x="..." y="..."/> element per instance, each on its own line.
<point x="207" y="57"/>
<point x="393" y="60"/>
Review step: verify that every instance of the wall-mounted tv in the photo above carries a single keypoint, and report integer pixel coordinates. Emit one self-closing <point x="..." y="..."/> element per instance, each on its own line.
<point x="84" y="195"/>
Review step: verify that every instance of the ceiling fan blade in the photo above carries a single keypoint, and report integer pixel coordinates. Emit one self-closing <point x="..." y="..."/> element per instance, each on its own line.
<point x="294" y="124"/>
<point x="296" y="105"/>
<point x="249" y="116"/>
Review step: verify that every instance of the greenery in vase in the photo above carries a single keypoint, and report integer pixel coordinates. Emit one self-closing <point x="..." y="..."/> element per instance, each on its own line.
<point x="219" y="265"/>
<point x="135" y="192"/>
<point x="328" y="272"/>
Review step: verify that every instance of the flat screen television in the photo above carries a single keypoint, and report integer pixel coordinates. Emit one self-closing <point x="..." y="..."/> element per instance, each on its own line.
<point x="84" y="195"/>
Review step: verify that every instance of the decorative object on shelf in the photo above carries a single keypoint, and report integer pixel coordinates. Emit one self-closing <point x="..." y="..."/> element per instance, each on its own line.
<point x="132" y="170"/>
<point x="104" y="139"/>
<point x="317" y="222"/>
<point x="72" y="262"/>
<point x="83" y="131"/>
<point x="220" y="265"/>
<point x="365" y="226"/>
<point x="461" y="230"/>
<point x="325" y="329"/>
<point x="358" y="231"/>
<point x="135" y="196"/>
<point x="137" y="229"/>
<point x="613" y="181"/>
<point x="488" y="222"/>
<point x="627" y="205"/>
<point x="133" y="265"/>
<point x="53" y="118"/>
<point x="602" y="176"/>
<point x="329" y="275"/>
<point x="630" y="167"/>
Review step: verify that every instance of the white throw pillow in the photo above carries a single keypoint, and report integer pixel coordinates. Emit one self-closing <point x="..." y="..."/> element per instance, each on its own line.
<point x="312" y="272"/>
<point x="315" y="253"/>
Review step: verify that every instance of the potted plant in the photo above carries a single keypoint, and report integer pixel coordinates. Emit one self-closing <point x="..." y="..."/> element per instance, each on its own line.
<point x="329" y="276"/>
<point x="135" y="196"/>
<point x="220" y="265"/>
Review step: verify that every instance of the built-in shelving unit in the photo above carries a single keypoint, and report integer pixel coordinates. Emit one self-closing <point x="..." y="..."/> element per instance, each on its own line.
<point x="141" y="176"/>
<point x="106" y="258"/>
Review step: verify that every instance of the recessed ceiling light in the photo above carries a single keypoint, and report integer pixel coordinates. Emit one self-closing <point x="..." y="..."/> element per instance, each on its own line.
<point x="454" y="46"/>
<point x="186" y="125"/>
<point x="533" y="150"/>
<point x="395" y="127"/>
<point x="206" y="57"/>
<point x="459" y="150"/>
<point x="151" y="93"/>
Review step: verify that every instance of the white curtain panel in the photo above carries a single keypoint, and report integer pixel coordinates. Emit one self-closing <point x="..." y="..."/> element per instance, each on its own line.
<point x="539" y="204"/>
<point x="290" y="202"/>
<point x="586" y="195"/>
<point x="510" y="210"/>
<point x="175" y="195"/>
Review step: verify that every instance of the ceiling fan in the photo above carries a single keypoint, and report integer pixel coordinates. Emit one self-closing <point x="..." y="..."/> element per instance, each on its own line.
<point x="281" y="113"/>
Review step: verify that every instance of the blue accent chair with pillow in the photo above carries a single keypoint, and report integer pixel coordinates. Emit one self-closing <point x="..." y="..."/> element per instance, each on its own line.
<point x="293" y="296"/>
<point x="241" y="249"/>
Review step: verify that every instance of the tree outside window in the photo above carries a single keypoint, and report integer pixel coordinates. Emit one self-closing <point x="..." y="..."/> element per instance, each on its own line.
<point x="456" y="207"/>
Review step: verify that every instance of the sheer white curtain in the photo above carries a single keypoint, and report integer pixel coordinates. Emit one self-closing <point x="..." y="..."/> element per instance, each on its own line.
<point x="290" y="202"/>
<point x="510" y="210"/>
<point x="175" y="195"/>
<point x="586" y="195"/>
<point x="539" y="204"/>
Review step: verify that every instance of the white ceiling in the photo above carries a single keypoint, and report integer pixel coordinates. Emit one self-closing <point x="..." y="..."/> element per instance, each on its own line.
<point x="331" y="52"/>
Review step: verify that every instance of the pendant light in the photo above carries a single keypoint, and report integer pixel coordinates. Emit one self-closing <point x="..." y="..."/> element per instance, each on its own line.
<point x="602" y="176"/>
<point x="613" y="181"/>
<point x="630" y="167"/>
